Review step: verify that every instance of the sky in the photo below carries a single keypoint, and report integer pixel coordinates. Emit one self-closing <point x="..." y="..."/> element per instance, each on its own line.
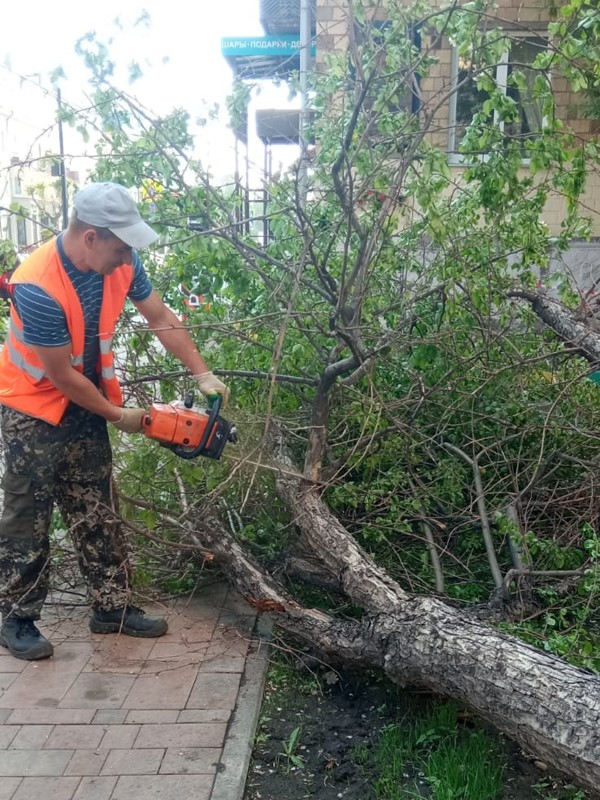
<point x="177" y="47"/>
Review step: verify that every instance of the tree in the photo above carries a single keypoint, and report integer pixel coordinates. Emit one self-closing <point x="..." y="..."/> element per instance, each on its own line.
<point x="406" y="423"/>
<point x="8" y="255"/>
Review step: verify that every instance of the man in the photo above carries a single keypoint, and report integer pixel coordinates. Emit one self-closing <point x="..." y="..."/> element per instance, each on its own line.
<point x="57" y="392"/>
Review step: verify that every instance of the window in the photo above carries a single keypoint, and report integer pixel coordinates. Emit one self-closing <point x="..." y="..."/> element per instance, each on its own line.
<point x="468" y="99"/>
<point x="21" y="232"/>
<point x="17" y="186"/>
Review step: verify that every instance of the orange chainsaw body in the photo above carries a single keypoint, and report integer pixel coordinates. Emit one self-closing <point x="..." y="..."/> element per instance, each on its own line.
<point x="175" y="424"/>
<point x="187" y="431"/>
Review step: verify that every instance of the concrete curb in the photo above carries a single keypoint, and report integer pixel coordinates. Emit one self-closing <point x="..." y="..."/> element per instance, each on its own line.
<point x="230" y="782"/>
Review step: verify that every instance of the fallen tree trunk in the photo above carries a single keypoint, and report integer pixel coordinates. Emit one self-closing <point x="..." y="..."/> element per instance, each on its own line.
<point x="551" y="708"/>
<point x="578" y="330"/>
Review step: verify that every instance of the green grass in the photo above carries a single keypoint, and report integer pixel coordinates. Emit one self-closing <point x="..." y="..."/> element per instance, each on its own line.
<point x="464" y="769"/>
<point x="436" y="757"/>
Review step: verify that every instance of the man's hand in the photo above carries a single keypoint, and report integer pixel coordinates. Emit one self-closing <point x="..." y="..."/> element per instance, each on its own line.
<point x="209" y="385"/>
<point x="131" y="420"/>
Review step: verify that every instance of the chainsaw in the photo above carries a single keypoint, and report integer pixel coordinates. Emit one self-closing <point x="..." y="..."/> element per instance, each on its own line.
<point x="187" y="430"/>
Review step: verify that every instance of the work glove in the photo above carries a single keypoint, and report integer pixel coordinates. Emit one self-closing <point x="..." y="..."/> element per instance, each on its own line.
<point x="209" y="385"/>
<point x="131" y="420"/>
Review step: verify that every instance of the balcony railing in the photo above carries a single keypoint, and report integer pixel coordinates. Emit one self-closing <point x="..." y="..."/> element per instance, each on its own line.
<point x="283" y="16"/>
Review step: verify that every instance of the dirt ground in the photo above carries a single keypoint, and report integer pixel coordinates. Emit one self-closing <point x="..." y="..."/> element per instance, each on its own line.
<point x="339" y="717"/>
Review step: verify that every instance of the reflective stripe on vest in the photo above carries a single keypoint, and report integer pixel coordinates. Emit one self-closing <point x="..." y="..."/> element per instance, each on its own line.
<point x="107" y="363"/>
<point x="20" y="361"/>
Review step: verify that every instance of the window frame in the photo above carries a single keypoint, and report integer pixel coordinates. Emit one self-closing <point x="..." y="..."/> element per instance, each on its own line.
<point x="501" y="76"/>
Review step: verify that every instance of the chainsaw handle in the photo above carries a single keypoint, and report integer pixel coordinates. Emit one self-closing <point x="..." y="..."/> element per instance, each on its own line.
<point x="215" y="401"/>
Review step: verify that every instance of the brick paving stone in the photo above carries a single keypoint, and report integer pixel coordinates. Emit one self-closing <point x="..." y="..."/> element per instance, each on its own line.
<point x="152" y="667"/>
<point x="211" y="734"/>
<point x="105" y="666"/>
<point x="99" y="789"/>
<point x="173" y="655"/>
<point x="162" y="787"/>
<point x="236" y="606"/>
<point x="65" y="623"/>
<point x="208" y="600"/>
<point x="8" y="787"/>
<point x="168" y="689"/>
<point x="119" y="737"/>
<point x="190" y="760"/>
<point x="46" y="788"/>
<point x="120" y="654"/>
<point x="86" y="762"/>
<point x="228" y="642"/>
<point x="31" y="737"/>
<point x="61" y="630"/>
<point x="9" y="663"/>
<point x="93" y="690"/>
<point x="7" y="734"/>
<point x="45" y="682"/>
<point x="171" y="648"/>
<point x="109" y="716"/>
<point x="193" y="629"/>
<point x="119" y="718"/>
<point x="24" y="763"/>
<point x="75" y="737"/>
<point x="133" y="762"/>
<point x="204" y="715"/>
<point x="6" y="678"/>
<point x="214" y="690"/>
<point x="243" y="624"/>
<point x="142" y="716"/>
<point x="51" y="716"/>
<point x="223" y="664"/>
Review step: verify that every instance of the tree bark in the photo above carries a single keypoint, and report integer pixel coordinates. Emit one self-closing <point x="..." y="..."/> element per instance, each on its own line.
<point x="578" y="330"/>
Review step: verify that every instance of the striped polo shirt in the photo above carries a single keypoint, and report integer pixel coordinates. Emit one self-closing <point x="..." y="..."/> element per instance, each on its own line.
<point x="44" y="322"/>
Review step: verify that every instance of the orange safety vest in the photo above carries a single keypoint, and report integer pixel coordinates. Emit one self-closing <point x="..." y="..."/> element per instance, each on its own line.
<point x="23" y="382"/>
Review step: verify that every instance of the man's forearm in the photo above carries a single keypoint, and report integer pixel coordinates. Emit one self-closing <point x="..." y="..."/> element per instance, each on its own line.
<point x="81" y="391"/>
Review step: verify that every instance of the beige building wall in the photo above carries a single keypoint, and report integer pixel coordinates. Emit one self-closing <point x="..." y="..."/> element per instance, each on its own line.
<point x="518" y="16"/>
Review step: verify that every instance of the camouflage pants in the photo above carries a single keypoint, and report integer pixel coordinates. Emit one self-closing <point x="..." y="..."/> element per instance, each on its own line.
<point x="71" y="465"/>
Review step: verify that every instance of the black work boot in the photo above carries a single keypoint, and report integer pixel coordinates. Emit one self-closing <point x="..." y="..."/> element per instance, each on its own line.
<point x="129" y="620"/>
<point x="24" y="640"/>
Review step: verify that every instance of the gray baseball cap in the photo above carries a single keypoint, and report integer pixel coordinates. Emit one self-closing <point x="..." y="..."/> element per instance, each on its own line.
<point x="109" y="205"/>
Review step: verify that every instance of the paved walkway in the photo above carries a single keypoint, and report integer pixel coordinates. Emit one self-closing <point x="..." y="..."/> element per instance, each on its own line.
<point x="116" y="718"/>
